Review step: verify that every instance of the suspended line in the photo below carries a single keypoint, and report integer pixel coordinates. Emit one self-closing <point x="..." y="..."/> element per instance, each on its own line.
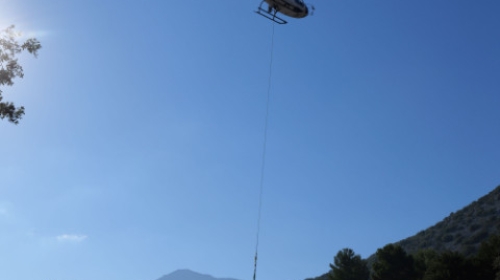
<point x="263" y="162"/>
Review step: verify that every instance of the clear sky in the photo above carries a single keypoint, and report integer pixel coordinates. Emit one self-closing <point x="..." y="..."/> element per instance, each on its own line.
<point x="140" y="151"/>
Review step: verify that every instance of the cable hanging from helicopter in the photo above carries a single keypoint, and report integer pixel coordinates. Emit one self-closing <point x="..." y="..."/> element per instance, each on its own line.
<point x="291" y="8"/>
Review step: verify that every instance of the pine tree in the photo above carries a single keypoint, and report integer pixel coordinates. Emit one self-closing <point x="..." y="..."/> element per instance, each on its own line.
<point x="393" y="263"/>
<point x="348" y="266"/>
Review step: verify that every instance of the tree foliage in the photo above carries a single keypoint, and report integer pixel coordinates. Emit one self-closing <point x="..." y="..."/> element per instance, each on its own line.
<point x="10" y="69"/>
<point x="496" y="267"/>
<point x="348" y="266"/>
<point x="451" y="265"/>
<point x="393" y="263"/>
<point x="422" y="260"/>
<point x="488" y="258"/>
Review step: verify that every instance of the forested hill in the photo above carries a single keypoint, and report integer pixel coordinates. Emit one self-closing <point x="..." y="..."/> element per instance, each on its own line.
<point x="462" y="231"/>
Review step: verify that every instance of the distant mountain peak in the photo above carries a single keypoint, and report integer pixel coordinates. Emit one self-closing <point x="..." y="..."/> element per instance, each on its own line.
<point x="187" y="274"/>
<point x="186" y="271"/>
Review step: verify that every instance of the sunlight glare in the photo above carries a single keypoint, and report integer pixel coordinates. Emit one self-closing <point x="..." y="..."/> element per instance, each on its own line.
<point x="11" y="14"/>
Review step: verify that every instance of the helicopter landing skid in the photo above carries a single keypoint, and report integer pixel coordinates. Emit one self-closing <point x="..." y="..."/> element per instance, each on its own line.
<point x="270" y="15"/>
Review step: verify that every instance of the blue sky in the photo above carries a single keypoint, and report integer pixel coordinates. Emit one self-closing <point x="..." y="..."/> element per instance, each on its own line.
<point x="141" y="146"/>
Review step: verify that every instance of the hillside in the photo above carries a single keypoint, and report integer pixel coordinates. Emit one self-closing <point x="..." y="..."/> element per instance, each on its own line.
<point x="462" y="231"/>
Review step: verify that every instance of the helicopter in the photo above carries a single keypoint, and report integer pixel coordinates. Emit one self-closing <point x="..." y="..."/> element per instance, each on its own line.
<point x="291" y="8"/>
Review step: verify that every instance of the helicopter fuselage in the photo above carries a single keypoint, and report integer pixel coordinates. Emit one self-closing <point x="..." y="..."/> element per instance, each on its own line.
<point x="291" y="8"/>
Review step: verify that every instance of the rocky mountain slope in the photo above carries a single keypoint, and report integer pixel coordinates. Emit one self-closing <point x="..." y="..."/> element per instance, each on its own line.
<point x="462" y="231"/>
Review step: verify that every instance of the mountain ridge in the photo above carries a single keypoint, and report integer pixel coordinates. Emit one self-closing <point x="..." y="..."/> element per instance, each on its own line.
<point x="462" y="231"/>
<point x="187" y="274"/>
